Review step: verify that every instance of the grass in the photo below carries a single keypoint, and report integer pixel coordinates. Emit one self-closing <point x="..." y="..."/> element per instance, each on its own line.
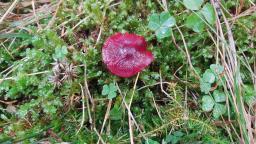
<point x="55" y="88"/>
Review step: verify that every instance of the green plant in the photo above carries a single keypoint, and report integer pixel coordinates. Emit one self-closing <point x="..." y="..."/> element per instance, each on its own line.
<point x="161" y="24"/>
<point x="193" y="4"/>
<point x="174" y="138"/>
<point x="215" y="103"/>
<point x="109" y="90"/>
<point x="211" y="78"/>
<point x="196" y="20"/>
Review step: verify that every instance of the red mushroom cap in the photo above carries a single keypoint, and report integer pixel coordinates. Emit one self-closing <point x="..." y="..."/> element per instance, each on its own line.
<point x="126" y="54"/>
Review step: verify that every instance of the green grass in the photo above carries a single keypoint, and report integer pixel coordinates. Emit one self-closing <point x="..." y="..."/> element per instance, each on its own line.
<point x="179" y="98"/>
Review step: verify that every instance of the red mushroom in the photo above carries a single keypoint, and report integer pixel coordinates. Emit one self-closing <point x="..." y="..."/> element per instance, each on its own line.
<point x="126" y="54"/>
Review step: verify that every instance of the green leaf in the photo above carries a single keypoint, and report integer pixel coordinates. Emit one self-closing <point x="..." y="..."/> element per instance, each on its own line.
<point x="205" y="87"/>
<point x="150" y="141"/>
<point x="195" y="23"/>
<point x="193" y="4"/>
<point x="109" y="90"/>
<point x="207" y="103"/>
<point x="218" y="69"/>
<point x="60" y="52"/>
<point x="163" y="32"/>
<point x="166" y="20"/>
<point x="161" y="24"/>
<point x="115" y="113"/>
<point x="218" y="110"/>
<point x="208" y="13"/>
<point x="111" y="94"/>
<point x="154" y="22"/>
<point x="219" y="96"/>
<point x="15" y="35"/>
<point x="105" y="90"/>
<point x="112" y="87"/>
<point x="249" y="96"/>
<point x="174" y="138"/>
<point x="209" y="76"/>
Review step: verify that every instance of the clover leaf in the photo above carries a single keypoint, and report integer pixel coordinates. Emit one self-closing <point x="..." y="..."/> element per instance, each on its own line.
<point x="208" y="103"/>
<point x="109" y="90"/>
<point x="209" y="76"/>
<point x="208" y="13"/>
<point x="60" y="52"/>
<point x="205" y="87"/>
<point x="195" y="23"/>
<point x="219" y="109"/>
<point x="218" y="69"/>
<point x="193" y="4"/>
<point x="215" y="105"/>
<point x="161" y="24"/>
<point x="219" y="96"/>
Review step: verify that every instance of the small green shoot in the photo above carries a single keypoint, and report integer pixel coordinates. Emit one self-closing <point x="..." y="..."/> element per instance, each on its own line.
<point x="161" y="24"/>
<point x="215" y="104"/>
<point x="109" y="90"/>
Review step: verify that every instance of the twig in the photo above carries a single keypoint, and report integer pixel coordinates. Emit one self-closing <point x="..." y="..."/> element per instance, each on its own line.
<point x="100" y="138"/>
<point x="133" y="91"/>
<point x="158" y="83"/>
<point x="161" y="127"/>
<point x="9" y="53"/>
<point x="187" y="53"/>
<point x="88" y="96"/>
<point x="129" y="111"/>
<point x="130" y="129"/>
<point x="8" y="102"/>
<point x="106" y="117"/>
<point x="32" y="74"/>
<point x="54" y="16"/>
<point x="162" y="89"/>
<point x="165" y="5"/>
<point x="129" y="107"/>
<point x="83" y="113"/>
<point x="80" y="22"/>
<point x="9" y="10"/>
<point x="34" y="12"/>
<point x="157" y="110"/>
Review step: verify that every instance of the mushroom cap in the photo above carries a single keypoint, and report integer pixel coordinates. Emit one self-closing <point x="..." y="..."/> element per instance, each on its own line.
<point x="126" y="54"/>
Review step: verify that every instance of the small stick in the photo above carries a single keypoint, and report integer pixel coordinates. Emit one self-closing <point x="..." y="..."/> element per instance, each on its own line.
<point x="9" y="10"/>
<point x="134" y="87"/>
<point x="34" y="12"/>
<point x="162" y="89"/>
<point x="54" y="16"/>
<point x="187" y="53"/>
<point x="129" y="107"/>
<point x="8" y="102"/>
<point x="106" y="117"/>
<point x="83" y="114"/>
<point x="100" y="138"/>
<point x="88" y="96"/>
<point x="31" y="74"/>
<point x="129" y="111"/>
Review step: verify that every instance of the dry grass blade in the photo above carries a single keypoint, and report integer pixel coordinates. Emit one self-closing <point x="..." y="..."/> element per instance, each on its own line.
<point x="83" y="113"/>
<point x="9" y="10"/>
<point x="233" y="79"/>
